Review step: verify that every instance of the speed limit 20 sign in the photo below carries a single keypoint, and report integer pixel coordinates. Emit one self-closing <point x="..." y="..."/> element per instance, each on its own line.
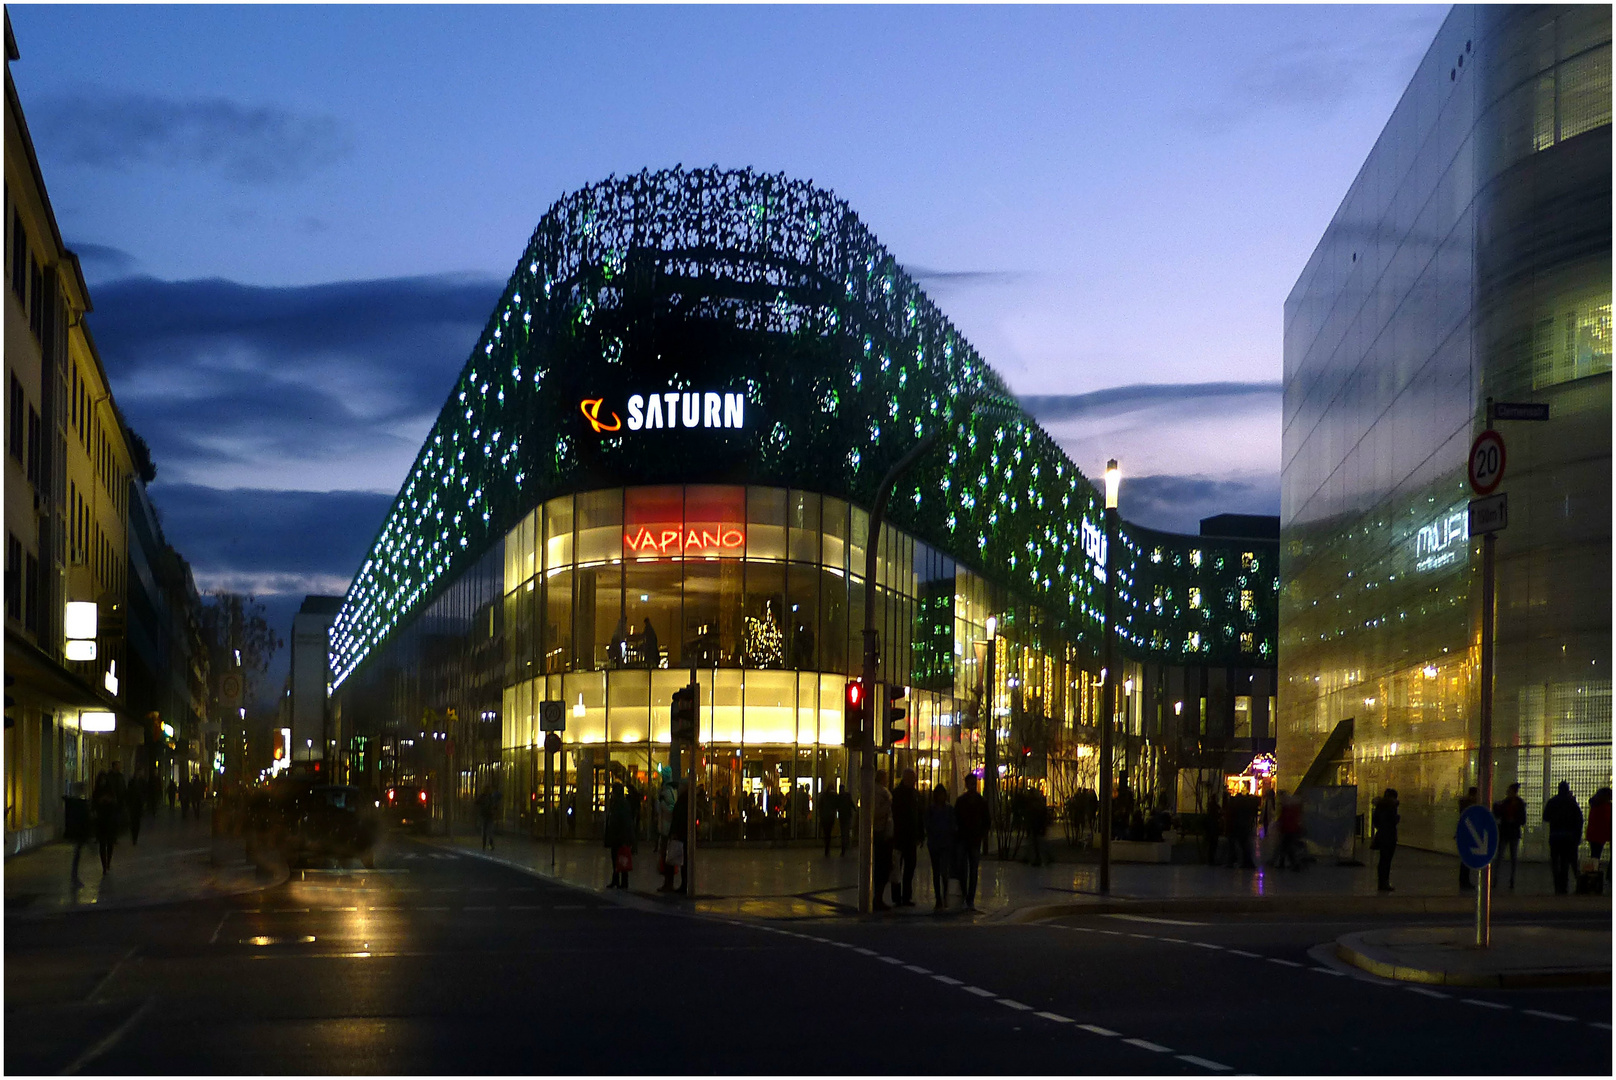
<point x="1486" y="462"/>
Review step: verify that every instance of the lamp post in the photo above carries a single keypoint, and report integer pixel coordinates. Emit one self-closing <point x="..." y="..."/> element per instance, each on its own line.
<point x="990" y="732"/>
<point x="1108" y="708"/>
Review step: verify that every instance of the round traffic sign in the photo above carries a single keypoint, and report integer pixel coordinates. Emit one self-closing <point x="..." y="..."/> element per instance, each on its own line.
<point x="1476" y="837"/>
<point x="552" y="742"/>
<point x="1486" y="462"/>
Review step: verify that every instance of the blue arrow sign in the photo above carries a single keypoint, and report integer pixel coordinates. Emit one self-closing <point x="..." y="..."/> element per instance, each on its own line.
<point x="1476" y="837"/>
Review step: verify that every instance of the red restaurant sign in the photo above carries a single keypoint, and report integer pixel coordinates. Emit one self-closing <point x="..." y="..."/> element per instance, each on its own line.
<point x="652" y="540"/>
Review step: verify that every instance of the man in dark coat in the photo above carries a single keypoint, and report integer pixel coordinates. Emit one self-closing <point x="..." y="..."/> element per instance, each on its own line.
<point x="1564" y="818"/>
<point x="76" y="827"/>
<point x="1511" y="815"/>
<point x="908" y="829"/>
<point x="972" y="824"/>
<point x="135" y="802"/>
<point x="1384" y="822"/>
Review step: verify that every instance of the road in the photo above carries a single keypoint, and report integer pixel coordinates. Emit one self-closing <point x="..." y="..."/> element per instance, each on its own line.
<point x="445" y="963"/>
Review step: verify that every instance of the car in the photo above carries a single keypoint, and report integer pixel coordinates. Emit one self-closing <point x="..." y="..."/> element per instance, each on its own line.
<point x="332" y="821"/>
<point x="408" y="806"/>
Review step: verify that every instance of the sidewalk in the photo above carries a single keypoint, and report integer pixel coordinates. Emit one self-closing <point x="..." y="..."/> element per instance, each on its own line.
<point x="1447" y="955"/>
<point x="172" y="863"/>
<point x="801" y="882"/>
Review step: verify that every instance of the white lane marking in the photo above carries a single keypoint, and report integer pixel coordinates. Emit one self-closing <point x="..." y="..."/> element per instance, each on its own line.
<point x="521" y="907"/>
<point x="111" y="1040"/>
<point x="1016" y="1005"/>
<point x="883" y="959"/>
<point x="1206" y="945"/>
<point x="122" y="960"/>
<point x="1287" y="963"/>
<point x="1057" y="1017"/>
<point x="1146" y="1044"/>
<point x="1098" y="1030"/>
<point x="1548" y="1015"/>
<point x="330" y="909"/>
<point x="1176" y="940"/>
<point x="1330" y="971"/>
<point x="1204" y="1063"/>
<point x="978" y="991"/>
<point x="857" y="948"/>
<point x="945" y="980"/>
<point x="1155" y="919"/>
<point x="1113" y="933"/>
<point x="917" y="969"/>
<point x="1423" y="992"/>
<point x="1597" y="1024"/>
<point x="214" y="940"/>
<point x="1145" y="937"/>
<point x="1242" y="952"/>
<point x="1483" y="1004"/>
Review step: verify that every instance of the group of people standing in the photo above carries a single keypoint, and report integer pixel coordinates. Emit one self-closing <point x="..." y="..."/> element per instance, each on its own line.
<point x="955" y="835"/>
<point x="116" y="804"/>
<point x="1561" y="814"/>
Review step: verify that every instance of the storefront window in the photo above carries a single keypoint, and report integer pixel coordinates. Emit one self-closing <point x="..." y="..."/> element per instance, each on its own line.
<point x="835" y="533"/>
<point x="654" y="523"/>
<point x="771" y="707"/>
<point x="628" y="696"/>
<point x="712" y="614"/>
<point x="558" y="533"/>
<point x="601" y="620"/>
<point x="652" y="592"/>
<point x="765" y="523"/>
<point x="715" y="522"/>
<point x="763" y="627"/>
<point x="557" y="643"/>
<point x="832" y="620"/>
<point x="721" y="706"/>
<point x="589" y="690"/>
<point x="807" y="709"/>
<point x="600" y="526"/>
<point x="802" y="515"/>
<point x="801" y="616"/>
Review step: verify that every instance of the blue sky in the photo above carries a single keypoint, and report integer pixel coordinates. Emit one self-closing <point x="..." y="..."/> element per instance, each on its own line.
<point x="295" y="219"/>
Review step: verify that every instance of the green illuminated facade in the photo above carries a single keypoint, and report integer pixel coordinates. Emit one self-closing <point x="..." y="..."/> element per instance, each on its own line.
<point x="675" y="418"/>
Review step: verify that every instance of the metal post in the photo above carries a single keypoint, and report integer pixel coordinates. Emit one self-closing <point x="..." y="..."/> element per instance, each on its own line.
<point x="549" y="797"/>
<point x="1484" y="749"/>
<point x="990" y="734"/>
<point x="1108" y="706"/>
<point x="692" y="818"/>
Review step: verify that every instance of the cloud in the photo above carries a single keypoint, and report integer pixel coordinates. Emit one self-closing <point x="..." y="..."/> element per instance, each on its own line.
<point x="243" y="143"/>
<point x="944" y="278"/>
<point x="1178" y="503"/>
<point x="1181" y="397"/>
<point x="267" y="541"/>
<point x="101" y="261"/>
<point x="318" y="386"/>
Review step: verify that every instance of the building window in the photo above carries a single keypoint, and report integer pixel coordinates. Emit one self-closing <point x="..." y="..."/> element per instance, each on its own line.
<point x="1248" y="641"/>
<point x="14" y="420"/>
<point x="13" y="577"/>
<point x="36" y="299"/>
<point x="1195" y="597"/>
<point x="1248" y="599"/>
<point x="33" y="446"/>
<point x="30" y="603"/>
<point x="19" y="259"/>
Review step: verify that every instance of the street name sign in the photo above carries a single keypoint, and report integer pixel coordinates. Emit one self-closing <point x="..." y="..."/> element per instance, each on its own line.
<point x="1489" y="515"/>
<point x="1520" y="410"/>
<point x="1476" y="837"/>
<point x="1486" y="462"/>
<point x="552" y="716"/>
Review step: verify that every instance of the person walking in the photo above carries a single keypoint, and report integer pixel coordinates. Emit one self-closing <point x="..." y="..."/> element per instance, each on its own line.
<point x="1242" y="822"/>
<point x="1290" y="832"/>
<point x="828" y="803"/>
<point x="908" y="829"/>
<point x="1598" y="834"/>
<point x="1564" y="818"/>
<point x="77" y="828"/>
<point x="487" y="810"/>
<point x="1511" y="815"/>
<point x="881" y="830"/>
<point x="1384" y="839"/>
<point x="940" y="840"/>
<point x="677" y="854"/>
<point x="844" y="814"/>
<point x="972" y="824"/>
<point x="1466" y="801"/>
<point x="173" y="794"/>
<point x="619" y="835"/>
<point x="1214" y="827"/>
<point x="135" y="803"/>
<point x="106" y="807"/>
<point x="1037" y="826"/>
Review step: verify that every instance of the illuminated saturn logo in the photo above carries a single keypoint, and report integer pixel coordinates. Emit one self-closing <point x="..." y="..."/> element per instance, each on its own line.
<point x="590" y="407"/>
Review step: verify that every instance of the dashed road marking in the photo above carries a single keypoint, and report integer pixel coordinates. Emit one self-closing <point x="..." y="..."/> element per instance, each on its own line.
<point x="1483" y="1004"/>
<point x="527" y="907"/>
<point x="1248" y="955"/>
<point x="858" y="949"/>
<point x="1057" y="1017"/>
<point x="1287" y="963"/>
<point x="1600" y="1026"/>
<point x="1548" y="1015"/>
<point x="1206" y="945"/>
<point x="1016" y="1005"/>
<point x="978" y="991"/>
<point x="1215" y="1066"/>
<point x="947" y="981"/>
<point x="1156" y="919"/>
<point x="1330" y="971"/>
<point x="1146" y="1044"/>
<point x="889" y="960"/>
<point x="917" y="969"/>
<point x="1423" y="992"/>
<point x="1096" y="1029"/>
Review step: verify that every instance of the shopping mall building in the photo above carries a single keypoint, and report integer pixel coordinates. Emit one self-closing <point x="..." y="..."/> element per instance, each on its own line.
<point x="1469" y="260"/>
<point x="660" y="458"/>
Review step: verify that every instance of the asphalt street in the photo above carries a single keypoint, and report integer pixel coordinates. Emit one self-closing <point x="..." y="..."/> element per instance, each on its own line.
<point x="438" y="962"/>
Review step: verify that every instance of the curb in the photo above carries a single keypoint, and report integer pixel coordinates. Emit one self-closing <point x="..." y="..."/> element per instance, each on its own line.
<point x="1494" y="980"/>
<point x="1298" y="905"/>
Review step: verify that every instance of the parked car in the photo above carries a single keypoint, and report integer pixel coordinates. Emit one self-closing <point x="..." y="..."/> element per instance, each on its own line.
<point x="408" y="806"/>
<point x="332" y="821"/>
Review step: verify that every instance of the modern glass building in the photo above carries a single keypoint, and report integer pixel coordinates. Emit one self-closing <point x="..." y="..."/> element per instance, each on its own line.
<point x="1469" y="260"/>
<point x="659" y="459"/>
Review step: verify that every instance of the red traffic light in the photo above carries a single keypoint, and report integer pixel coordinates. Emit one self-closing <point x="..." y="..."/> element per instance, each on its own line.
<point x="855" y="693"/>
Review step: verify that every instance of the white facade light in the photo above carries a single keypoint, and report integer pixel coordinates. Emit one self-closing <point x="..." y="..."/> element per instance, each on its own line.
<point x="98" y="721"/>
<point x="80" y="622"/>
<point x="110" y="681"/>
<point x="1113" y="483"/>
<point x="79" y="650"/>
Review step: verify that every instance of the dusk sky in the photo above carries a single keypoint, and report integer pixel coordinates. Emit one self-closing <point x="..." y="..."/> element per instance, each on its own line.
<point x="295" y="220"/>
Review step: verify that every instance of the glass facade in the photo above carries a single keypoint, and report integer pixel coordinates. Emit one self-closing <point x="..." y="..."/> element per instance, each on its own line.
<point x="1469" y="260"/>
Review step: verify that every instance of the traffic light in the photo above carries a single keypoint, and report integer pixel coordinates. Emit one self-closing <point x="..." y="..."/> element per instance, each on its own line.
<point x="682" y="716"/>
<point x="854" y="732"/>
<point x="897" y="727"/>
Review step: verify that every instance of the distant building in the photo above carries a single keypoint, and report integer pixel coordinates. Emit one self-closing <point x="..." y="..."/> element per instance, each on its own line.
<point x="310" y="678"/>
<point x="1470" y="260"/>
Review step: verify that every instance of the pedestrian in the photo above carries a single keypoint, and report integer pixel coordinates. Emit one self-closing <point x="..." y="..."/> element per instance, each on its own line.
<point x="1466" y="801"/>
<point x="76" y="826"/>
<point x="972" y="824"/>
<point x="1511" y="815"/>
<point x="1290" y="832"/>
<point x="135" y="802"/>
<point x="677" y="854"/>
<point x="827" y="817"/>
<point x="908" y="830"/>
<point x="1121" y="806"/>
<point x="1214" y="827"/>
<point x="487" y="809"/>
<point x="1599" y="822"/>
<point x="844" y="813"/>
<point x="650" y="649"/>
<point x="940" y="839"/>
<point x="619" y="835"/>
<point x="1242" y="823"/>
<point x="106" y="807"/>
<point x="1564" y="818"/>
<point x="1037" y="826"/>
<point x="881" y="831"/>
<point x="1384" y="839"/>
<point x="173" y="794"/>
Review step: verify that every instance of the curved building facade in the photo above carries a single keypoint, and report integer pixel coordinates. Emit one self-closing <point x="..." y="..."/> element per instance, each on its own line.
<point x="1469" y="260"/>
<point x="659" y="458"/>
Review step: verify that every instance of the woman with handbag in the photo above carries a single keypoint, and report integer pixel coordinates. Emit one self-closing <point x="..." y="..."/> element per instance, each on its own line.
<point x="619" y="836"/>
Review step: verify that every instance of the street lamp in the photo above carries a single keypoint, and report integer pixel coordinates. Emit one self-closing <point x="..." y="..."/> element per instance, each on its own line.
<point x="990" y="744"/>
<point x="1108" y="708"/>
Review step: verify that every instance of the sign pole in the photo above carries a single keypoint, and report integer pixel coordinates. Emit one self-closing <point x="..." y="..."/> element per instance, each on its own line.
<point x="692" y="818"/>
<point x="549" y="795"/>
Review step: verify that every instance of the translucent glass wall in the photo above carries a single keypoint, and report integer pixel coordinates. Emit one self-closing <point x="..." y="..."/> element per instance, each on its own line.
<point x="1470" y="258"/>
